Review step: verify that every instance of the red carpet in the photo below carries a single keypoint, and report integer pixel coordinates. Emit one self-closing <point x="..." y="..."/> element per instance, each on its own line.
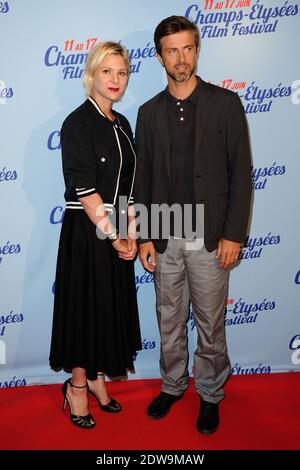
<point x="259" y="412"/>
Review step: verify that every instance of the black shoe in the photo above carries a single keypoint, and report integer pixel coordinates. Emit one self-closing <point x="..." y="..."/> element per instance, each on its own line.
<point x="112" y="407"/>
<point x="84" y="422"/>
<point x="161" y="405"/>
<point x="208" y="419"/>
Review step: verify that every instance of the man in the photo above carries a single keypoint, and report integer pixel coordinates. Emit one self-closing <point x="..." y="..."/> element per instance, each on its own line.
<point x="192" y="149"/>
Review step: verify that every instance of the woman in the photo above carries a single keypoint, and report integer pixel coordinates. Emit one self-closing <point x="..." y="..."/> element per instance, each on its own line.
<point x="95" y="325"/>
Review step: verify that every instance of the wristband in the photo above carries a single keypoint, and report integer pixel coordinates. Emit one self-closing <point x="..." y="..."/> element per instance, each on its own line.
<point x="113" y="235"/>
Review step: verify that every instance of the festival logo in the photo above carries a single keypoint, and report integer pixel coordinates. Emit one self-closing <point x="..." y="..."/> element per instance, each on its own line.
<point x="53" y="142"/>
<point x="71" y="56"/>
<point x="260" y="369"/>
<point x="9" y="249"/>
<point x="295" y="347"/>
<point x="242" y="313"/>
<point x="57" y="215"/>
<point x="260" y="175"/>
<point x="231" y="84"/>
<point x="4" y="7"/>
<point x="139" y="54"/>
<point x="258" y="99"/>
<point x="6" y="92"/>
<point x="236" y="18"/>
<point x="8" y="319"/>
<point x="8" y="175"/>
<point x="146" y="278"/>
<point x="147" y="345"/>
<point x="14" y="382"/>
<point x="254" y="246"/>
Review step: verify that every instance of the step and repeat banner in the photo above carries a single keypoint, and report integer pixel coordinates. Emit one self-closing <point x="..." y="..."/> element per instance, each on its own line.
<point x="248" y="46"/>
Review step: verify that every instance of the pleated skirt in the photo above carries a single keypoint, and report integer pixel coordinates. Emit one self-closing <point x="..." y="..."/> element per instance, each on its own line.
<point x="95" y="320"/>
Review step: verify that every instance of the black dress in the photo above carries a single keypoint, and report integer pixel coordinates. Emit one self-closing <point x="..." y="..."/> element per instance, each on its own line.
<point x="95" y="322"/>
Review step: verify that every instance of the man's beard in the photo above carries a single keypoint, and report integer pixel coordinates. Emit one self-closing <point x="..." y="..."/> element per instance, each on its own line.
<point x="180" y="77"/>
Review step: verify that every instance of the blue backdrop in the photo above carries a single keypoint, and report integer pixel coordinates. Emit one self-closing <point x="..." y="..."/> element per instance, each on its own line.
<point x="249" y="46"/>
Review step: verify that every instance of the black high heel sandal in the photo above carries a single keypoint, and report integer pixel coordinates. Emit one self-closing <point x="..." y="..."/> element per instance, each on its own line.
<point x="112" y="407"/>
<point x="85" y="422"/>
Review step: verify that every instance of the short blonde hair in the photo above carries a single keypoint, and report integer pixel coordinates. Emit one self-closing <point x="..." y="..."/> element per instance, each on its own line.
<point x="97" y="55"/>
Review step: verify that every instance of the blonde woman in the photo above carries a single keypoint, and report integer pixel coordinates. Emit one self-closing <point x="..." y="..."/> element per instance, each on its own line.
<point x="95" y="325"/>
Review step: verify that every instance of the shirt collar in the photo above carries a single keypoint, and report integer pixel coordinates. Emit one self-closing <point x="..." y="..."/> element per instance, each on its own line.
<point x="192" y="97"/>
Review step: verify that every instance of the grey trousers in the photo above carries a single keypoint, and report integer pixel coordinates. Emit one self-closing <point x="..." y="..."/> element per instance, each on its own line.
<point x="184" y="274"/>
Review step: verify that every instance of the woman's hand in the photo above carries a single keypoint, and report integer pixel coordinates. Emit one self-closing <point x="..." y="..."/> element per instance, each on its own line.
<point x="131" y="249"/>
<point x="121" y="246"/>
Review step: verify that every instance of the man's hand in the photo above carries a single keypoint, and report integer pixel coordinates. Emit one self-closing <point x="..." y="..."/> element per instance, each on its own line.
<point x="228" y="252"/>
<point x="146" y="251"/>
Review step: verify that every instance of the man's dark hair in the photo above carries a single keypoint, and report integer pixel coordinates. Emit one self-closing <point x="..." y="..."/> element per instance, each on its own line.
<point x="171" y="25"/>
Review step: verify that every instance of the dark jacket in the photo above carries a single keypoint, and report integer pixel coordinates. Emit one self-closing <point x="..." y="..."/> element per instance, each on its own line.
<point x="92" y="155"/>
<point x="221" y="168"/>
